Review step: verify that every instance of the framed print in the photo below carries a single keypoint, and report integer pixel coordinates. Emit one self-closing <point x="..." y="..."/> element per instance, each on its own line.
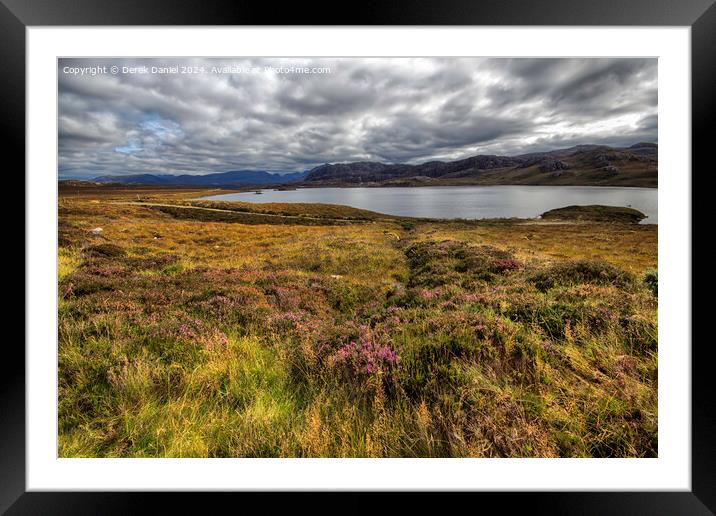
<point x="411" y="251"/>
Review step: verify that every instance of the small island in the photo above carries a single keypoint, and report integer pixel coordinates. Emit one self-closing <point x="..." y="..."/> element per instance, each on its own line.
<point x="595" y="213"/>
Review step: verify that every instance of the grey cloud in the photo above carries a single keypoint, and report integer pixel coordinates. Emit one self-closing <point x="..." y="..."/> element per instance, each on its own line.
<point x="390" y="110"/>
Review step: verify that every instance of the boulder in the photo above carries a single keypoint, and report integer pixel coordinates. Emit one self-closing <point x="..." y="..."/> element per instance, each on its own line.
<point x="552" y="165"/>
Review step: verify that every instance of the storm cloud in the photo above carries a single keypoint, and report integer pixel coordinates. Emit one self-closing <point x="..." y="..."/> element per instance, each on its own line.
<point x="201" y="115"/>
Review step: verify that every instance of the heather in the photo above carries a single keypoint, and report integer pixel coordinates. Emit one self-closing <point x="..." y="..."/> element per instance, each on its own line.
<point x="183" y="333"/>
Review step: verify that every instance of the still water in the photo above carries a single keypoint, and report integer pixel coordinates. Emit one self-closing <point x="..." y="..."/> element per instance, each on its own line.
<point x="465" y="202"/>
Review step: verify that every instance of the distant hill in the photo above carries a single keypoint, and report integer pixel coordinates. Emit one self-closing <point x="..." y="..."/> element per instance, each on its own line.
<point x="598" y="165"/>
<point x="580" y="165"/>
<point x="221" y="179"/>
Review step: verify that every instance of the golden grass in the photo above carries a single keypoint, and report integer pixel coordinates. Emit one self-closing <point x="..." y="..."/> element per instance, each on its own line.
<point x="220" y="350"/>
<point x="68" y="260"/>
<point x="631" y="247"/>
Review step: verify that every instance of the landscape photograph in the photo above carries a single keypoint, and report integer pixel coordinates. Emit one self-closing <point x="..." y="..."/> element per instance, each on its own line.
<point x="347" y="257"/>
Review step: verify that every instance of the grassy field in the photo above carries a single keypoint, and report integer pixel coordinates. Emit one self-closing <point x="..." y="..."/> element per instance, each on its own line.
<point x="193" y="329"/>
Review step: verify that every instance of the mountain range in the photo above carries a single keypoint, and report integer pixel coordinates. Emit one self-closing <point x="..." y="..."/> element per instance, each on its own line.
<point x="231" y="178"/>
<point x="636" y="165"/>
<point x="602" y="165"/>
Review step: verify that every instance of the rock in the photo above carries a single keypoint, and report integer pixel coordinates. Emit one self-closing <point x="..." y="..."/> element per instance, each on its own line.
<point x="397" y="289"/>
<point x="97" y="231"/>
<point x="607" y="157"/>
<point x="552" y="165"/>
<point x="336" y="276"/>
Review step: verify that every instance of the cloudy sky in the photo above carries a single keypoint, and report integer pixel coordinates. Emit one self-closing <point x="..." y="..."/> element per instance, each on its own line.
<point x="200" y="115"/>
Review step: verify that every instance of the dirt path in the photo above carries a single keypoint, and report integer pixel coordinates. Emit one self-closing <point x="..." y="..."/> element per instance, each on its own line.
<point x="240" y="212"/>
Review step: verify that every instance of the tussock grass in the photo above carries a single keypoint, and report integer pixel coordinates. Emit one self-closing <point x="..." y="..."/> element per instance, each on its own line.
<point x="200" y="338"/>
<point x="68" y="260"/>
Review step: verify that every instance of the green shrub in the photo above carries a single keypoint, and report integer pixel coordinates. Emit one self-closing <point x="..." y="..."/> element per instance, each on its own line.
<point x="105" y="250"/>
<point x="552" y="318"/>
<point x="651" y="280"/>
<point x="641" y="334"/>
<point x="581" y="271"/>
<point x="450" y="262"/>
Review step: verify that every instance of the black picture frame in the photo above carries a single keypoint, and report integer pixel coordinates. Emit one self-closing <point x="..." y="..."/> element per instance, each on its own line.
<point x="700" y="15"/>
